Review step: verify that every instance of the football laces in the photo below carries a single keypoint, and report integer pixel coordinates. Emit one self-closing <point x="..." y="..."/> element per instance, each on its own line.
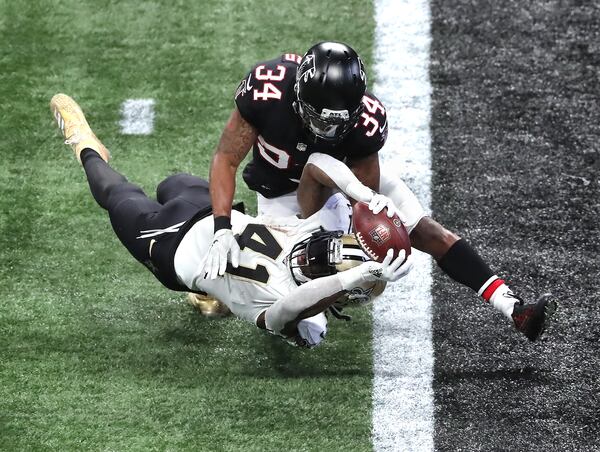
<point x="366" y="247"/>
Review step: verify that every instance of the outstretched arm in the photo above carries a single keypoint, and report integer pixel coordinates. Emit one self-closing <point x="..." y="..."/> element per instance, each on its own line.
<point x="323" y="172"/>
<point x="317" y="295"/>
<point x="236" y="140"/>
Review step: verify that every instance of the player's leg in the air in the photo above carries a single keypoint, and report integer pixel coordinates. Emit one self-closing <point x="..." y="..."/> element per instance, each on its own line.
<point x="146" y="227"/>
<point x="459" y="260"/>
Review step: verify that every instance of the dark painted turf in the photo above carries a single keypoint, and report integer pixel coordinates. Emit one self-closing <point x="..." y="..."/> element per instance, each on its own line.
<point x="515" y="126"/>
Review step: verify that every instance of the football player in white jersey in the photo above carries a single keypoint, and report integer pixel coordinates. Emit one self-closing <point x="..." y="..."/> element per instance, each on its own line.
<point x="288" y="271"/>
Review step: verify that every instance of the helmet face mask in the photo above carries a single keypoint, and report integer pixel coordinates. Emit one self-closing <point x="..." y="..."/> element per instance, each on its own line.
<point x="330" y="84"/>
<point x="323" y="254"/>
<point x="329" y="125"/>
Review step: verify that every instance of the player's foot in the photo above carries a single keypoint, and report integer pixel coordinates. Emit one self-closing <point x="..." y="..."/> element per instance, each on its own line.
<point x="208" y="307"/>
<point x="74" y="127"/>
<point x="531" y="319"/>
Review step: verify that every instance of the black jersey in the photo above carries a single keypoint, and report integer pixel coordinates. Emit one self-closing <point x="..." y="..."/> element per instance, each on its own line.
<point x="265" y="99"/>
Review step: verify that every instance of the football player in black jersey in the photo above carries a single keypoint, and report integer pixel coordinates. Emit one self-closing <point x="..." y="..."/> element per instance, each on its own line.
<point x="291" y="108"/>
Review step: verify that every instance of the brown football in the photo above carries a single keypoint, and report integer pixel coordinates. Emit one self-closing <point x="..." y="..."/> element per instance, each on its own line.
<point x="376" y="234"/>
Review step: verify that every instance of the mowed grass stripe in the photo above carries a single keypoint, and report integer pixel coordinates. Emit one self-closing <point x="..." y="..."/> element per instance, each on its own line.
<point x="95" y="354"/>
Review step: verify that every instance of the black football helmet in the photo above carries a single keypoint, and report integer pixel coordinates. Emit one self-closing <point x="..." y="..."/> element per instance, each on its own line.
<point x="330" y="84"/>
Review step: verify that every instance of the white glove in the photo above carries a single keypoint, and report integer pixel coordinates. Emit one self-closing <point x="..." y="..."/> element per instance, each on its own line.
<point x="379" y="202"/>
<point x="223" y="245"/>
<point x="388" y="270"/>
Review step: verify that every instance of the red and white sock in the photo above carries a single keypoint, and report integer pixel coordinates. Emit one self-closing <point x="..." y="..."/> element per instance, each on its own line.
<point x="498" y="295"/>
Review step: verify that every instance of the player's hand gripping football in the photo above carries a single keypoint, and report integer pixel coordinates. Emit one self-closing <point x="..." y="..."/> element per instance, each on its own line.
<point x="223" y="246"/>
<point x="379" y="202"/>
<point x="376" y="201"/>
<point x="389" y="270"/>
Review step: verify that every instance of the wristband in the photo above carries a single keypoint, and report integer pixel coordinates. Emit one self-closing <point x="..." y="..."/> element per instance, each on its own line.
<point x="222" y="222"/>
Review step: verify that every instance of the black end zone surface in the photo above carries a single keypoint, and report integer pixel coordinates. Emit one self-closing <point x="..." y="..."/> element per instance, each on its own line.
<point x="516" y="149"/>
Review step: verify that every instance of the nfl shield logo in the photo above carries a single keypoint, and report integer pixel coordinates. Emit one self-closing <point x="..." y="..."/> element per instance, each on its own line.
<point x="301" y="147"/>
<point x="380" y="234"/>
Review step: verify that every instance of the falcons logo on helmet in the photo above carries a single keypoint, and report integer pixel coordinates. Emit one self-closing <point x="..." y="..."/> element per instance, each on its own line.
<point x="307" y="69"/>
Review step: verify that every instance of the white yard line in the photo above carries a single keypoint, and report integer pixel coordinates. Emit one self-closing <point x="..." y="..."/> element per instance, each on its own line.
<point x="137" y="117"/>
<point x="403" y="352"/>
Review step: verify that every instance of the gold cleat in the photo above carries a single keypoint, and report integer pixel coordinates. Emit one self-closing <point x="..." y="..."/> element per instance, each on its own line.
<point x="74" y="127"/>
<point x="208" y="307"/>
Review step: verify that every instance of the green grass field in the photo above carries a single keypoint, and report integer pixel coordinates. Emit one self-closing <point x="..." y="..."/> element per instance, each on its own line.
<point x="94" y="353"/>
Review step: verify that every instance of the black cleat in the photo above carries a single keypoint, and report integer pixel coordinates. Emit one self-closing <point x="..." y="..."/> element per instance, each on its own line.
<point x="530" y="319"/>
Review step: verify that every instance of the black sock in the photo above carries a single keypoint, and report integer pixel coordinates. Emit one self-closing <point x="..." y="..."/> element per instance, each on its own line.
<point x="462" y="263"/>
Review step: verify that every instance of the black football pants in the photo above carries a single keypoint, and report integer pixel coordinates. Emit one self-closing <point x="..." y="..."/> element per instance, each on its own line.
<point x="150" y="230"/>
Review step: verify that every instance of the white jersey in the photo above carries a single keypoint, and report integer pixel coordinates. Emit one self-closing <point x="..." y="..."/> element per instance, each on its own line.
<point x="263" y="275"/>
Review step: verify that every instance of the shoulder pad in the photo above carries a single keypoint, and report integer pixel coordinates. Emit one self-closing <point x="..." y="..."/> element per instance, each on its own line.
<point x="265" y="84"/>
<point x="371" y="130"/>
<point x="291" y="58"/>
<point x="373" y="106"/>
